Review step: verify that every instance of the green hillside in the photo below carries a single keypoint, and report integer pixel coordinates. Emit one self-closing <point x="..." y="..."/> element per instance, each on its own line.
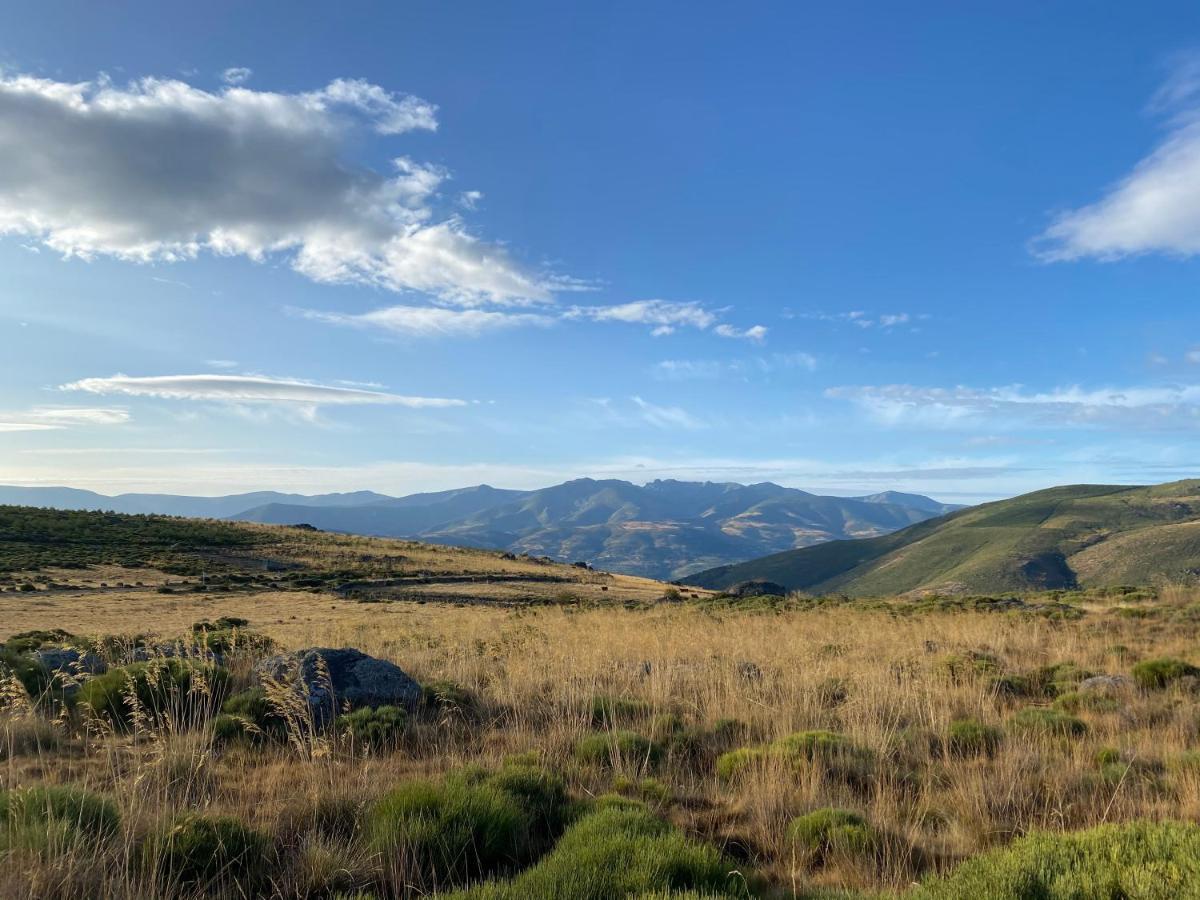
<point x="1079" y="535"/>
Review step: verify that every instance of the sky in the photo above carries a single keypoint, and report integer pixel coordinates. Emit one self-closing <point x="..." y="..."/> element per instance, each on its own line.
<point x="846" y="247"/>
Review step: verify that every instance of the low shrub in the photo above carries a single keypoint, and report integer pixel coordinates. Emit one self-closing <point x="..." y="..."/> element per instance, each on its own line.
<point x="376" y="729"/>
<point x="1152" y="861"/>
<point x="440" y="834"/>
<point x="961" y="667"/>
<point x="188" y="691"/>
<point x="842" y="759"/>
<point x="609" y="747"/>
<point x="1154" y="674"/>
<point x="829" y="832"/>
<point x="610" y="712"/>
<point x="449" y="698"/>
<point x="207" y="850"/>
<point x="970" y="737"/>
<point x="44" y="816"/>
<point x="1047" y="720"/>
<point x="258" y="717"/>
<point x="620" y="850"/>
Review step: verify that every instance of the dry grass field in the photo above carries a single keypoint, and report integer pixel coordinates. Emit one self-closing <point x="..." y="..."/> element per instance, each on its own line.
<point x="940" y="734"/>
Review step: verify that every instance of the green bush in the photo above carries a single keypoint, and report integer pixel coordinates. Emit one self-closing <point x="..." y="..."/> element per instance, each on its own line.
<point x="828" y="832"/>
<point x="842" y="760"/>
<point x="970" y="737"/>
<point x="205" y="850"/>
<point x="377" y="729"/>
<point x="606" y="747"/>
<point x="610" y="712"/>
<point x="1147" y="861"/>
<point x="961" y="667"/>
<point x="618" y="851"/>
<point x="41" y="817"/>
<point x="1159" y="673"/>
<point x="443" y="833"/>
<point x="178" y="688"/>
<point x="1046" y="720"/>
<point x="252" y="706"/>
<point x="448" y="697"/>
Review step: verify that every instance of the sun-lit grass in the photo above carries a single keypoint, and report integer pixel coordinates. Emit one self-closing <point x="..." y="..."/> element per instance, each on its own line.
<point x="938" y="735"/>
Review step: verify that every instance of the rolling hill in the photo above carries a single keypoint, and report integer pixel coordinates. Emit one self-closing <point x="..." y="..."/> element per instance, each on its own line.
<point x="1065" y="537"/>
<point x="664" y="529"/>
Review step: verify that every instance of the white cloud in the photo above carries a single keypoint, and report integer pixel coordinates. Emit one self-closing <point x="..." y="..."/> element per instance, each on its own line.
<point x="664" y="315"/>
<point x="236" y="75"/>
<point x="221" y="363"/>
<point x="1156" y="207"/>
<point x="666" y="416"/>
<point x="1166" y="407"/>
<point x="470" y="199"/>
<point x="248" y="389"/>
<point x="862" y="319"/>
<point x="432" y="321"/>
<point x="56" y="418"/>
<point x="697" y="369"/>
<point x="756" y="333"/>
<point x="158" y="170"/>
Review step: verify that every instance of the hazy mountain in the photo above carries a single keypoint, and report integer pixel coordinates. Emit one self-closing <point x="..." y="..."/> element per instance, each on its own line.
<point x="664" y="529"/>
<point x="172" y="504"/>
<point x="1080" y="535"/>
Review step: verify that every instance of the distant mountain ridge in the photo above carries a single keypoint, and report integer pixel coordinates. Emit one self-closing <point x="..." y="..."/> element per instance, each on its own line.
<point x="663" y="529"/>
<point x="1065" y="537"/>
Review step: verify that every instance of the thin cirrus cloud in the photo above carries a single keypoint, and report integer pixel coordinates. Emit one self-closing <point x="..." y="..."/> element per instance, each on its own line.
<point x="249" y="389"/>
<point x="1163" y="407"/>
<point x="431" y="321"/>
<point x="1156" y="207"/>
<point x="97" y="169"/>
<point x="56" y="418"/>
<point x="662" y="316"/>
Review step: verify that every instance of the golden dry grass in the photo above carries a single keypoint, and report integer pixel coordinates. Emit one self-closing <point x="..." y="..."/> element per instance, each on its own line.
<point x="873" y="676"/>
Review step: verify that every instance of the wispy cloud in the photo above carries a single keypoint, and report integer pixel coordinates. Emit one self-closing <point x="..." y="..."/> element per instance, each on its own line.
<point x="698" y="369"/>
<point x="236" y="75"/>
<point x="56" y="418"/>
<point x="248" y="389"/>
<point x="1156" y="207"/>
<point x="1163" y="407"/>
<point x="861" y="319"/>
<point x="432" y="321"/>
<point x="85" y="174"/>
<point x="755" y="333"/>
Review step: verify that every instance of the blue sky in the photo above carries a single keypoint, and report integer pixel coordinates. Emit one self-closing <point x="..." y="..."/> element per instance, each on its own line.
<point x="845" y="247"/>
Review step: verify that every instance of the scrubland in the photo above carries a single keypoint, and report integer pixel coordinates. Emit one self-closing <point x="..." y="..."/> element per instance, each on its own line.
<point x="754" y="748"/>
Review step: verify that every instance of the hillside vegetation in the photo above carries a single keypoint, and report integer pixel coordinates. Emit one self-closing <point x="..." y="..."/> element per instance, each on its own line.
<point x="1065" y="537"/>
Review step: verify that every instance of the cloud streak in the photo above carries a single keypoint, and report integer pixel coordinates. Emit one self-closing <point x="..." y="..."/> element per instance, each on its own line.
<point x="159" y="170"/>
<point x="56" y="418"/>
<point x="1164" y="407"/>
<point x="1156" y="207"/>
<point x="432" y="321"/>
<point x="249" y="389"/>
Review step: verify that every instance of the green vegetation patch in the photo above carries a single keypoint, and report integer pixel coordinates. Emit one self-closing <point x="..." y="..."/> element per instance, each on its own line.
<point x="1047" y="720"/>
<point x="619" y="851"/>
<point x="41" y="818"/>
<point x="1155" y="674"/>
<point x="207" y="850"/>
<point x="612" y="747"/>
<point x="829" y="832"/>
<point x="189" y="691"/>
<point x="1147" y="861"/>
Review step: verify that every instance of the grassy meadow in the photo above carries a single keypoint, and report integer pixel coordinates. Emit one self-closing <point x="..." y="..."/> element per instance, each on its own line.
<point x="702" y="747"/>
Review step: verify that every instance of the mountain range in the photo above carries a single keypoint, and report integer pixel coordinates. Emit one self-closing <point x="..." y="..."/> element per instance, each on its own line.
<point x="1064" y="537"/>
<point x="665" y="529"/>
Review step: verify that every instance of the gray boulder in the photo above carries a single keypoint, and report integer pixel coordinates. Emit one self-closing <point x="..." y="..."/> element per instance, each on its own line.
<point x="1106" y="684"/>
<point x="69" y="659"/>
<point x="333" y="680"/>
